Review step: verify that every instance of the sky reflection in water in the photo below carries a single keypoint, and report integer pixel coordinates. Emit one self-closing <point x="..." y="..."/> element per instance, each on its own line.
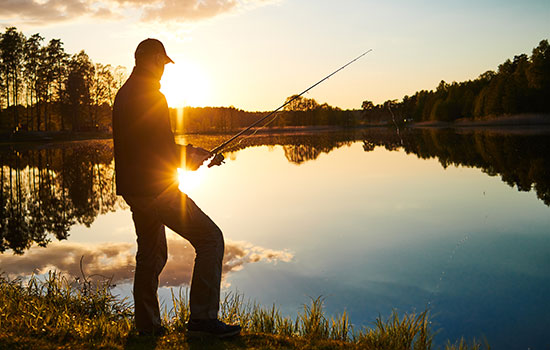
<point x="382" y="230"/>
<point x="368" y="231"/>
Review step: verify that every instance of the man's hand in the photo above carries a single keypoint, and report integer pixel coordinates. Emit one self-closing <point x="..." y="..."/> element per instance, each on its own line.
<point x="217" y="160"/>
<point x="195" y="156"/>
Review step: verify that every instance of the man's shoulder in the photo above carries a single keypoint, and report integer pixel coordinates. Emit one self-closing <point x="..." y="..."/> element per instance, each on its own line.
<point x="139" y="89"/>
<point x="132" y="93"/>
<point x="123" y="93"/>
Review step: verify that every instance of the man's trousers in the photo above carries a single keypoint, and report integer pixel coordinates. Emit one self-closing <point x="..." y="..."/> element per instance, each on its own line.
<point x="176" y="210"/>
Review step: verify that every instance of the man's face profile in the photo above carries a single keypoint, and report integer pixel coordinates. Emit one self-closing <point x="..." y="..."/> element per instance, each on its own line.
<point x="160" y="61"/>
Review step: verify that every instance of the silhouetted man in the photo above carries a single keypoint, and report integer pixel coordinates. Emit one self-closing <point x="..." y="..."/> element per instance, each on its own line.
<point x="146" y="159"/>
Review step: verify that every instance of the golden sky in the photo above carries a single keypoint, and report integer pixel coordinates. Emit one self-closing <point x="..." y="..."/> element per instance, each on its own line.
<point x="252" y="54"/>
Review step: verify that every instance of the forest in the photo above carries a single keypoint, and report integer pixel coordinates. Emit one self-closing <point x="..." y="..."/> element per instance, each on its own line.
<point x="43" y="88"/>
<point x="520" y="85"/>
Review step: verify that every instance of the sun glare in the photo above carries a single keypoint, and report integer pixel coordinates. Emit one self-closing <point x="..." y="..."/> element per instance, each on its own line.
<point x="184" y="84"/>
<point x="189" y="180"/>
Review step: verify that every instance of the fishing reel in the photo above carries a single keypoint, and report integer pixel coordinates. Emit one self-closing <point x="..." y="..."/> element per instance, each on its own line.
<point x="217" y="160"/>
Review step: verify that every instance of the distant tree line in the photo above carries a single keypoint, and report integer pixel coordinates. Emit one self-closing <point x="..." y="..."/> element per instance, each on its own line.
<point x="300" y="112"/>
<point x="521" y="85"/>
<point x="44" y="88"/>
<point x="211" y="119"/>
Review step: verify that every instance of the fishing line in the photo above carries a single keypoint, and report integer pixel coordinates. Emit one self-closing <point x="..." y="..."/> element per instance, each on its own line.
<point x="442" y="276"/>
<point x="443" y="273"/>
<point x="256" y="130"/>
<point x="457" y="247"/>
<point x="217" y="149"/>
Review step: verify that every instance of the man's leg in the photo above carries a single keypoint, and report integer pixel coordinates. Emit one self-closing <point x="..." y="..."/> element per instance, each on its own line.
<point x="182" y="215"/>
<point x="150" y="260"/>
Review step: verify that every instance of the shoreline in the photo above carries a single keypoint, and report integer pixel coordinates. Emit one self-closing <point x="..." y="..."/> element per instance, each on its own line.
<point x="510" y="121"/>
<point x="519" y="123"/>
<point x="527" y="124"/>
<point x="51" y="136"/>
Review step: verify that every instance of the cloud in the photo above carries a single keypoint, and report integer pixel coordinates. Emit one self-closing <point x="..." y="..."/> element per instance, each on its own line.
<point x="189" y="10"/>
<point x="34" y="11"/>
<point x="180" y="11"/>
<point x="116" y="260"/>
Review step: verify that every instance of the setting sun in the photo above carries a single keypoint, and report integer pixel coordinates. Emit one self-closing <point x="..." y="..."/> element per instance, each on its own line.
<point x="185" y="84"/>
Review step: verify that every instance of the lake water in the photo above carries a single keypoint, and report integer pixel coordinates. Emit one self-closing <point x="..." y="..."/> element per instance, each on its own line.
<point x="371" y="220"/>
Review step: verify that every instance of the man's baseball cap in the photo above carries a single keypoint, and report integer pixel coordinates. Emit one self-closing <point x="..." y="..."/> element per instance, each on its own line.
<point x="150" y="47"/>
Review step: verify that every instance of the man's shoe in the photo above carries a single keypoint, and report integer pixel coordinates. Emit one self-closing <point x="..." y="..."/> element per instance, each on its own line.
<point x="211" y="328"/>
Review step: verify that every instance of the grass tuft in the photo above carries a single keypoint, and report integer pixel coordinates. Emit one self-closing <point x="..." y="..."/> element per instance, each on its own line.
<point x="462" y="344"/>
<point x="410" y="332"/>
<point x="61" y="311"/>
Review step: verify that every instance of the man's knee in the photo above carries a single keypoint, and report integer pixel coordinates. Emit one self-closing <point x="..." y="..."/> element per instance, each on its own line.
<point x="216" y="237"/>
<point x="162" y="259"/>
<point x="154" y="261"/>
<point x="152" y="255"/>
<point x="211" y="241"/>
<point x="220" y="244"/>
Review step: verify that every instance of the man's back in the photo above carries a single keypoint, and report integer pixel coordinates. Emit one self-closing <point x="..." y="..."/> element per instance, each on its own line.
<point x="146" y="155"/>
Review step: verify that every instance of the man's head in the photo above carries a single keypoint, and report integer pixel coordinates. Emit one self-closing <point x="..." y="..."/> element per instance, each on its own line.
<point x="151" y="55"/>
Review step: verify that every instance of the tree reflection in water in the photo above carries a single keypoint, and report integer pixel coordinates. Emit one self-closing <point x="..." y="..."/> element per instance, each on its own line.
<point x="46" y="190"/>
<point x="522" y="160"/>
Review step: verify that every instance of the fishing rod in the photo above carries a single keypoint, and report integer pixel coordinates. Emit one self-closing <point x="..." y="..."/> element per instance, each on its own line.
<point x="218" y="158"/>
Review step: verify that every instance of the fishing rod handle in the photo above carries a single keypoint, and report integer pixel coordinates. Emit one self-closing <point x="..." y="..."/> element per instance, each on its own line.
<point x="217" y="160"/>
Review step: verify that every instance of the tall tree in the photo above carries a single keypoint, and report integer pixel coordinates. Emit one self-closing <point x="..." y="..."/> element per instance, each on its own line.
<point x="102" y="92"/>
<point x="55" y="74"/>
<point x="32" y="56"/>
<point x="538" y="75"/>
<point x="11" y="49"/>
<point x="79" y="81"/>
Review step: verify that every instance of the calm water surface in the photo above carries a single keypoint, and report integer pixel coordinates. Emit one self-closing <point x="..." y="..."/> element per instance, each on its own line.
<point x="455" y="222"/>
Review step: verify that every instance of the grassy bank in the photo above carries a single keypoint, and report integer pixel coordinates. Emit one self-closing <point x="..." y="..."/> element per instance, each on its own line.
<point x="56" y="313"/>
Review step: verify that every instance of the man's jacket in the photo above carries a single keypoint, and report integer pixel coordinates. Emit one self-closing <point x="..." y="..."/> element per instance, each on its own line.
<point x="146" y="155"/>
